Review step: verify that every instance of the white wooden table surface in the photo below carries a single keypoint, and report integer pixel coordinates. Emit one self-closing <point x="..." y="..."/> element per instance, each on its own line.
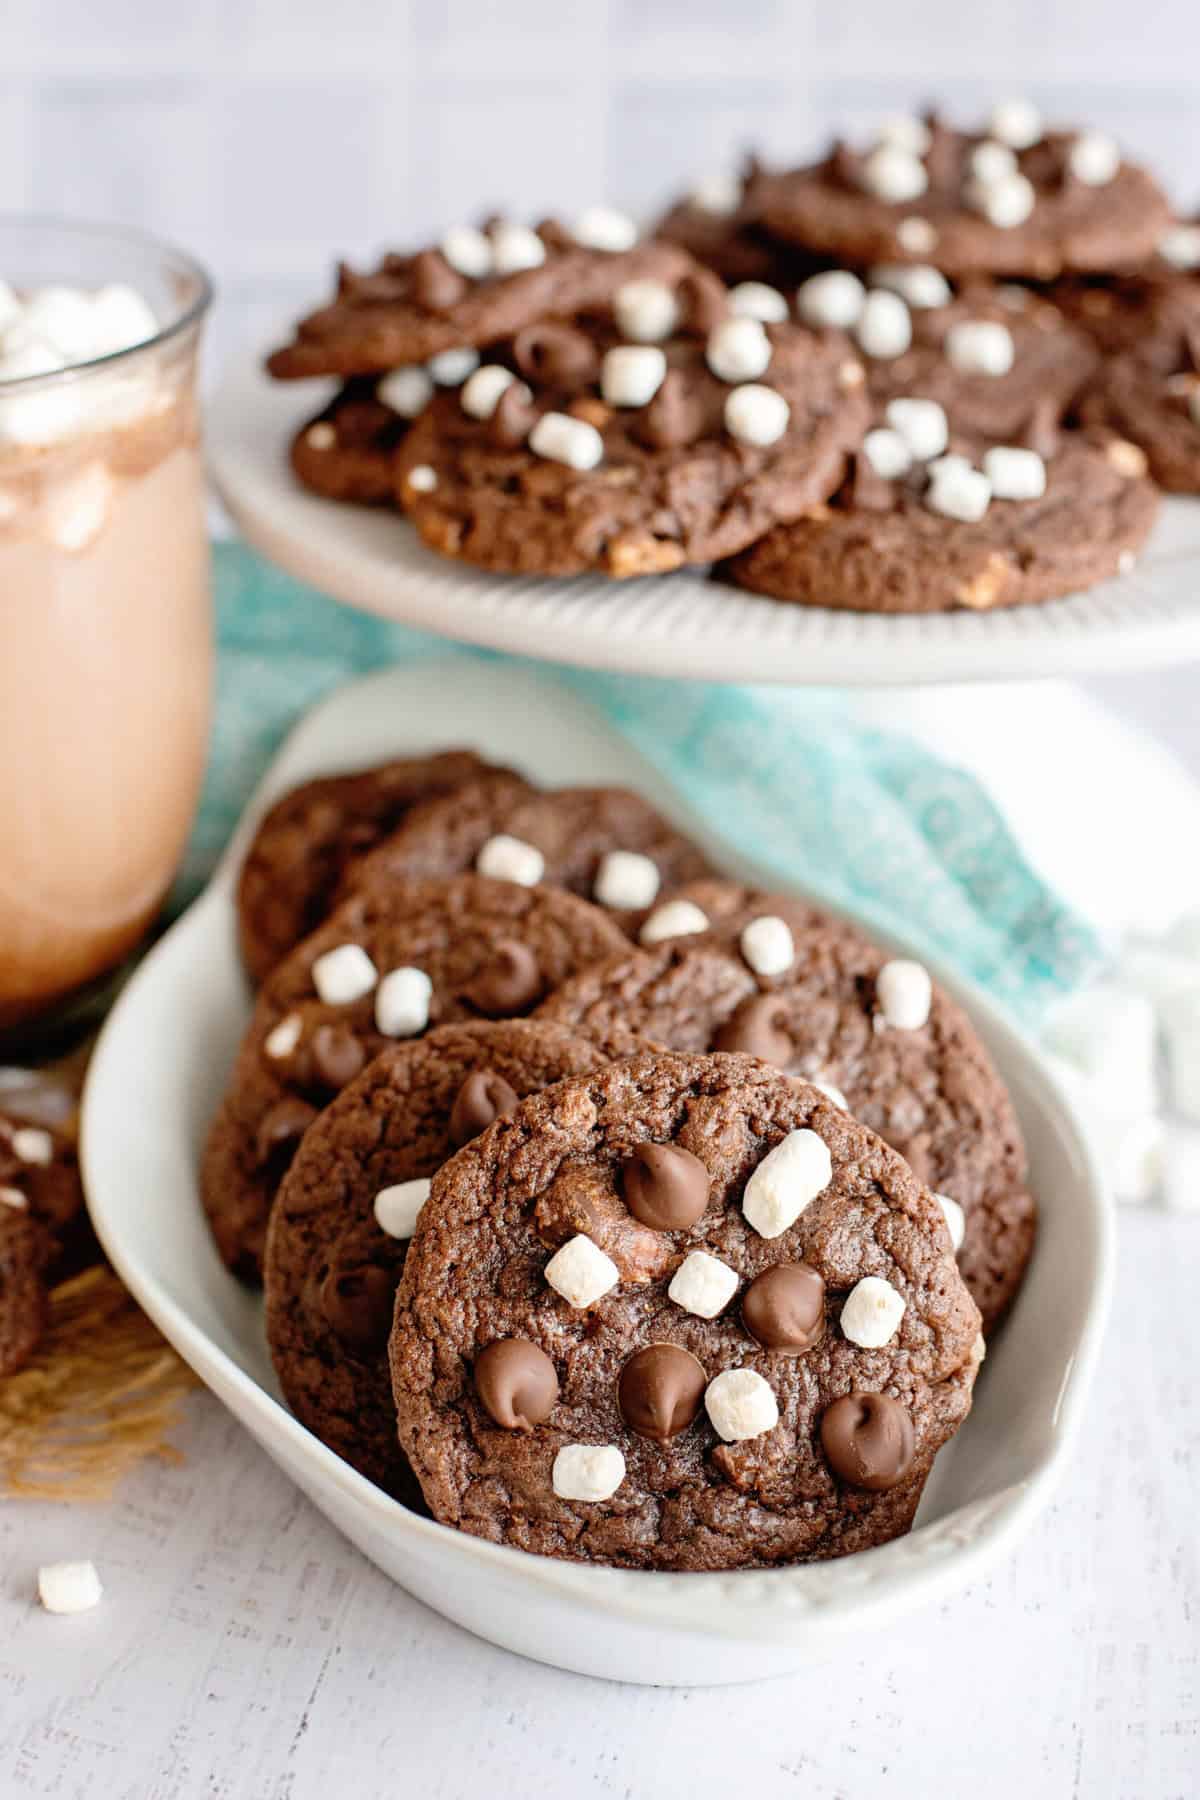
<point x="244" y="1651"/>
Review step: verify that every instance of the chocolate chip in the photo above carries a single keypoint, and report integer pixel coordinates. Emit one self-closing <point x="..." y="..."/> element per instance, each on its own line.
<point x="517" y="1383"/>
<point x="435" y="284"/>
<point x="784" y="1307"/>
<point x="358" y="1304"/>
<point x="555" y="355"/>
<point x="661" y="1391"/>
<point x="337" y="1055"/>
<point x="513" y="418"/>
<point x="666" y="1187"/>
<point x="868" y="1439"/>
<point x="758" y="1028"/>
<point x="674" y="417"/>
<point x="281" y="1128"/>
<point x="483" y="1097"/>
<point x="510" y="982"/>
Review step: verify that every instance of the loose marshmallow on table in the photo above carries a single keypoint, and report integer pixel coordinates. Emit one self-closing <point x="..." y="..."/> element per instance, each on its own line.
<point x="344" y="975"/>
<point x="481" y="391"/>
<point x="406" y="391"/>
<point x="626" y="879"/>
<point x="767" y="945"/>
<point x="646" y="311"/>
<point x="603" y="228"/>
<point x="904" y="993"/>
<point x="632" y="374"/>
<point x="397" y="1208"/>
<point x="506" y="858"/>
<point x="918" y="285"/>
<point x="956" y="1219"/>
<point x="738" y="350"/>
<point x="888" y="453"/>
<point x="786" y="1181"/>
<point x="581" y="1272"/>
<point x="560" y="438"/>
<point x="755" y="300"/>
<point x="979" y="347"/>
<point x="588" y="1471"/>
<point x="894" y="174"/>
<point x="1014" y="473"/>
<point x="884" y="329"/>
<point x="402" y="1002"/>
<point x="467" y="250"/>
<point x="872" y="1313"/>
<point x="922" y="424"/>
<point x="515" y="248"/>
<point x="703" y="1285"/>
<point x="69" y="1587"/>
<point x="833" y="300"/>
<point x="756" y="415"/>
<point x="678" y="918"/>
<point x="741" y="1405"/>
<point x="286" y="1035"/>
<point x="1094" y="158"/>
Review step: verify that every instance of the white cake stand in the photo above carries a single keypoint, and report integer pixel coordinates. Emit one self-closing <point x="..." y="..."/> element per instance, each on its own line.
<point x="679" y="625"/>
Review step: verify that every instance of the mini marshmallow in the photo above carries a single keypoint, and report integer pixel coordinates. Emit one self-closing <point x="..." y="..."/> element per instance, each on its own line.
<point x="344" y="975"/>
<point x="893" y="174"/>
<point x="703" y="1285"/>
<point x="942" y="465"/>
<point x="767" y="945"/>
<point x="678" y="918"/>
<point x="397" y="1208"/>
<point x="626" y="879"/>
<point x="1180" y="246"/>
<point x="832" y="1093"/>
<point x="755" y="300"/>
<point x="1094" y="158"/>
<point x="560" y="438"/>
<point x="979" y="347"/>
<point x="32" y="1145"/>
<point x="956" y="1219"/>
<point x="717" y="194"/>
<point x="990" y="162"/>
<point x="516" y="247"/>
<point x="69" y="1587"/>
<point x="1017" y="123"/>
<point x="481" y="391"/>
<point x="872" y="1313"/>
<point x="833" y="300"/>
<point x="922" y="424"/>
<point x="632" y="374"/>
<point x="918" y="284"/>
<point x="1015" y="474"/>
<point x="756" y="415"/>
<point x="1006" y="203"/>
<point x="120" y="319"/>
<point x="581" y="1272"/>
<point x="423" y="479"/>
<point x="321" y="436"/>
<point x="904" y="994"/>
<point x="450" y="368"/>
<point x="603" y="228"/>
<point x="887" y="453"/>
<point x="283" y="1039"/>
<point x="646" y="311"/>
<point x="959" y="493"/>
<point x="907" y="132"/>
<point x="786" y="1181"/>
<point x="402" y="1002"/>
<point x="468" y="250"/>
<point x="587" y="1471"/>
<point x="61" y="317"/>
<point x="506" y="858"/>
<point x="738" y="350"/>
<point x="885" y="327"/>
<point x="75" y="510"/>
<point x="406" y="391"/>
<point x="13" y="1198"/>
<point x="916" y="235"/>
<point x="740" y="1405"/>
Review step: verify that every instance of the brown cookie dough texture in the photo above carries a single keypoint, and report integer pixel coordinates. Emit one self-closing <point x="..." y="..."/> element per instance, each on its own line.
<point x="330" y="1270"/>
<point x="580" y="834"/>
<point x="931" y="1092"/>
<point x="346" y="451"/>
<point x="298" y="856"/>
<point x="471" y="948"/>
<point x="413" y="307"/>
<point x="720" y="224"/>
<point x="678" y="477"/>
<point x="677" y="1440"/>
<point x="1073" y="224"/>
<point x="880" y="546"/>
<point x="44" y="1230"/>
<point x="1150" y="393"/>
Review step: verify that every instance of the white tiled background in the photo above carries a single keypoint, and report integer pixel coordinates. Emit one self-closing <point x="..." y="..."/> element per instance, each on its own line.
<point x="266" y="134"/>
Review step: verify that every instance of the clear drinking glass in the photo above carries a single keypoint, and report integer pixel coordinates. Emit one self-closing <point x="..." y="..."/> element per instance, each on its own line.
<point x="105" y="620"/>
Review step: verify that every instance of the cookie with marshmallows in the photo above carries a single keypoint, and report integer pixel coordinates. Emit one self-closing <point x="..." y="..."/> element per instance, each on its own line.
<point x="681" y="1313"/>
<point x="392" y="962"/>
<point x="424" y="315"/>
<point x="725" y="967"/>
<point x="671" y="429"/>
<point x="1012" y="199"/>
<point x="345" y="451"/>
<point x="44" y="1230"/>
<point x="1149" y="393"/>
<point x="606" y="844"/>
<point x="347" y="1208"/>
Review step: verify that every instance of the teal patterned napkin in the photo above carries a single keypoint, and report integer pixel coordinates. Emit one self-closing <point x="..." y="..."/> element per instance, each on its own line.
<point x="868" y="820"/>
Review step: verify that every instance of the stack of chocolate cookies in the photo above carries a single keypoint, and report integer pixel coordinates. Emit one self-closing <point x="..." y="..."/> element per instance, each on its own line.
<point x="947" y="369"/>
<point x="605" y="1207"/>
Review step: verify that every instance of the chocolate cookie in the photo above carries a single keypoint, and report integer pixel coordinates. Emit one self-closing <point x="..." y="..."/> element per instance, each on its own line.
<point x="1150" y="394"/>
<point x="474" y="288"/>
<point x="682" y="1313"/>
<point x="346" y="451"/>
<point x="605" y="844"/>
<point x="720" y="223"/>
<point x="945" y="536"/>
<point x="44" y="1230"/>
<point x="298" y="856"/>
<point x="811" y="994"/>
<point x="390" y="963"/>
<point x="340" y="1227"/>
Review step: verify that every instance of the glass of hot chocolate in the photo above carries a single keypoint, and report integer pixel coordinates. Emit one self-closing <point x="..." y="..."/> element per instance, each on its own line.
<point x="105" y="600"/>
